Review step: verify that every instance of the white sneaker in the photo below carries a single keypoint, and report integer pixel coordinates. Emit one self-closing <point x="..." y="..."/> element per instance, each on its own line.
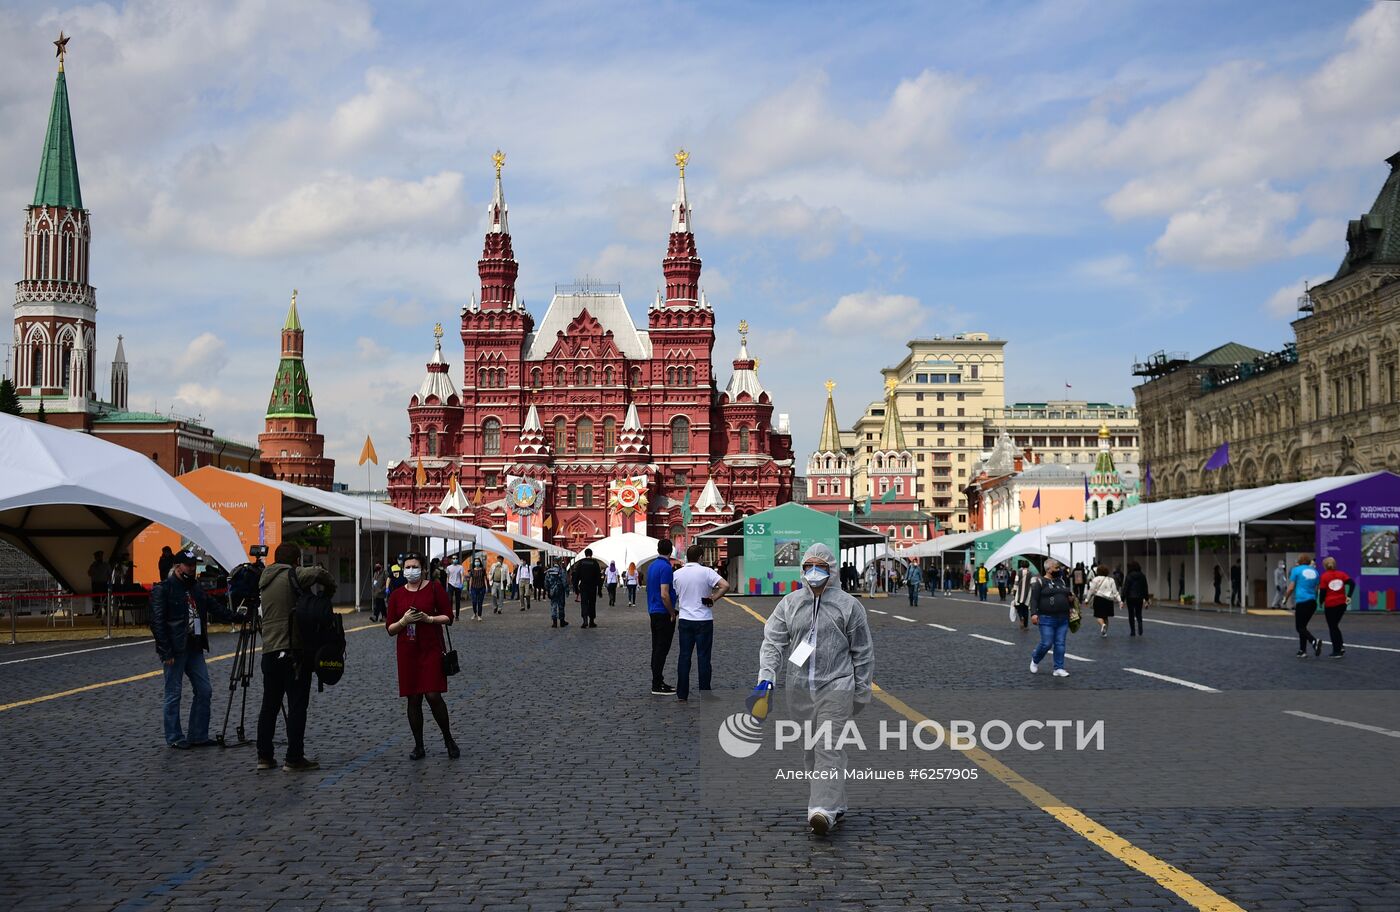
<point x="1035" y="666"/>
<point x="1061" y="673"/>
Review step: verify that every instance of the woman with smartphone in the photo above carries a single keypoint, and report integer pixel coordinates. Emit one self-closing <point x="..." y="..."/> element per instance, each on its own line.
<point x="417" y="611"/>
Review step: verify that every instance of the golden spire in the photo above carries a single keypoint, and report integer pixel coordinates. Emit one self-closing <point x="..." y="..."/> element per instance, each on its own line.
<point x="1103" y="432"/>
<point x="500" y="161"/>
<point x="744" y="329"/>
<point x="681" y="158"/>
<point x="831" y="432"/>
<point x="62" y="45"/>
<point x="891" y="384"/>
<point x="437" y="331"/>
<point x="830" y="385"/>
<point x="892" y="433"/>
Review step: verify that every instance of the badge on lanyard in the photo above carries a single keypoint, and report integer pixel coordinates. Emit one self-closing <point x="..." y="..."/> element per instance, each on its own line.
<point x="803" y="651"/>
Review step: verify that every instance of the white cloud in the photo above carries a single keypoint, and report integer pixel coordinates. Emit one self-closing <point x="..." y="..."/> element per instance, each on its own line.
<point x="1114" y="270"/>
<point x="203" y="358"/>
<point x="868" y="312"/>
<point x="1284" y="302"/>
<point x="1228" y="229"/>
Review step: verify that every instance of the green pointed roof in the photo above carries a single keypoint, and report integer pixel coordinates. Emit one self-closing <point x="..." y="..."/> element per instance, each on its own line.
<point x="291" y="392"/>
<point x="293" y="319"/>
<point x="58" y="169"/>
<point x="1375" y="237"/>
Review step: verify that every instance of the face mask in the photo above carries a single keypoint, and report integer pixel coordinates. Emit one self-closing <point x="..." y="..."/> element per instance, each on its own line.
<point x="412" y="574"/>
<point x="816" y="576"/>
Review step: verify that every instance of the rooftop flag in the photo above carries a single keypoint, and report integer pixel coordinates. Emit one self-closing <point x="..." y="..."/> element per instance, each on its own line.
<point x="888" y="496"/>
<point x="367" y="453"/>
<point x="1147" y="480"/>
<point x="1220" y="458"/>
<point x="1035" y="504"/>
<point x="1086" y="488"/>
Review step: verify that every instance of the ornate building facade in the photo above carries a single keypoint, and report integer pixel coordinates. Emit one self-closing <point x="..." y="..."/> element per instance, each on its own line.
<point x="292" y="449"/>
<point x="1325" y="404"/>
<point x="584" y="424"/>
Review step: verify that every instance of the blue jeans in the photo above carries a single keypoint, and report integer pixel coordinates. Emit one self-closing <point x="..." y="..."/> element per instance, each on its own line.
<point x="982" y="592"/>
<point x="913" y="596"/>
<point x="700" y="636"/>
<point x="187" y="664"/>
<point x="478" y="596"/>
<point x="1053" y="630"/>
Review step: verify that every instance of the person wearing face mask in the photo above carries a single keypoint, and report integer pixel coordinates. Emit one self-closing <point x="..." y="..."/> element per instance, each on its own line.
<point x="418" y="611"/>
<point x="1051" y="602"/>
<point x="180" y="612"/>
<point x="820" y="637"/>
<point x="286" y="667"/>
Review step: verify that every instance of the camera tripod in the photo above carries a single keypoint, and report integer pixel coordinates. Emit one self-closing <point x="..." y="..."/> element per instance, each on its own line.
<point x="242" y="675"/>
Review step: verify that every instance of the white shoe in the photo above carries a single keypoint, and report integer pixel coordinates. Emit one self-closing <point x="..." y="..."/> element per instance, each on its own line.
<point x="1061" y="673"/>
<point x="1035" y="666"/>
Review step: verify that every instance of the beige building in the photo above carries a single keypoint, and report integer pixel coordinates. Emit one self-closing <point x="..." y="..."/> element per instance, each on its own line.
<point x="944" y="388"/>
<point x="1327" y="404"/>
<point x="1066" y="431"/>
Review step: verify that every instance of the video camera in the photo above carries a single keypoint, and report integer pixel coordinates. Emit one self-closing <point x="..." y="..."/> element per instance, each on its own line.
<point x="257" y="551"/>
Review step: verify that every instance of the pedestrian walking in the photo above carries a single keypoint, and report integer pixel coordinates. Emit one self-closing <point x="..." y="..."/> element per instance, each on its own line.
<point x="631" y="579"/>
<point x="981" y="578"/>
<point x="612" y="584"/>
<point x="1280" y="582"/>
<point x="556" y="586"/>
<point x="180" y="611"/>
<point x="1135" y="594"/>
<point x="821" y="636"/>
<point x="1235" y="583"/>
<point x="588" y="583"/>
<point x="456" y="582"/>
<point x="286" y="664"/>
<point x="100" y="580"/>
<point x="378" y="592"/>
<point x="1337" y="588"/>
<point x="1079" y="579"/>
<point x="1021" y="592"/>
<point x="1302" y="586"/>
<point x="696" y="587"/>
<point x="661" y="611"/>
<point x="1217" y="579"/>
<point x="1102" y="596"/>
<point x="1003" y="579"/>
<point x="477" y="581"/>
<point x="915" y="580"/>
<point x="1052" y="604"/>
<point x="500" y="582"/>
<point x="418" y="611"/>
<point x="524" y="584"/>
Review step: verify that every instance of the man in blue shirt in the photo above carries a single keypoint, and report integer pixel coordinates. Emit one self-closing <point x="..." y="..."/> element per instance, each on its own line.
<point x="1302" y="585"/>
<point x="661" y="608"/>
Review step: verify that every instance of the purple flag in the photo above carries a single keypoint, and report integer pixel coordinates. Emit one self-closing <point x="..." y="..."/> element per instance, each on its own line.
<point x="1035" y="504"/>
<point x="1086" y="488"/>
<point x="1147" y="480"/>
<point x="1220" y="458"/>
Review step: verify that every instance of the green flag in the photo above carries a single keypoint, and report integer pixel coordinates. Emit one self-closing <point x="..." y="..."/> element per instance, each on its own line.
<point x="888" y="496"/>
<point x="866" y="508"/>
<point x="685" y="508"/>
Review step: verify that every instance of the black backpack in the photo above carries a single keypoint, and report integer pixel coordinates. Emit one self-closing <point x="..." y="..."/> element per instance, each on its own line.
<point x="321" y="632"/>
<point x="554" y="583"/>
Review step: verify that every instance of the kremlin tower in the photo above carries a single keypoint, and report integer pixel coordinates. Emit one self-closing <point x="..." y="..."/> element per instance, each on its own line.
<point x="292" y="450"/>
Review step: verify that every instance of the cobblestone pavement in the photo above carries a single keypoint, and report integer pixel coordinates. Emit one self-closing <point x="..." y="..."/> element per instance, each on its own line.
<point x="578" y="790"/>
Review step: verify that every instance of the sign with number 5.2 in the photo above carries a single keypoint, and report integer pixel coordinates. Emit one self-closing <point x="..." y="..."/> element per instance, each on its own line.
<point x="1334" y="509"/>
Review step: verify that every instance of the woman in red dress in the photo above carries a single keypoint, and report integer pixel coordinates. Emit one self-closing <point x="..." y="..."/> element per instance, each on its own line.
<point x="417" y="610"/>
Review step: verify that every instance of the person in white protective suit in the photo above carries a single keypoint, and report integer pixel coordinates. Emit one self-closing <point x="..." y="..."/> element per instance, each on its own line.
<point x="820" y="638"/>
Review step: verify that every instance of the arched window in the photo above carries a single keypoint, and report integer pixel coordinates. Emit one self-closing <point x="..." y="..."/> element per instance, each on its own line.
<point x="481" y="376"/>
<point x="680" y="434"/>
<point x="743" y="440"/>
<point x="571" y="496"/>
<point x="908" y="531"/>
<point x="609" y="435"/>
<point x="36" y="364"/>
<point x="690" y="376"/>
<point x="1110" y="508"/>
<point x="491" y="437"/>
<point x="536" y="378"/>
<point x="636" y="376"/>
<point x="608" y="376"/>
<point x="559" y="376"/>
<point x="584" y="434"/>
<point x="1095" y="511"/>
<point x="432" y="442"/>
<point x="578" y="376"/>
<point x="561" y="433"/>
<point x="670" y="376"/>
<point x="67" y="367"/>
<point x="588" y="495"/>
<point x="821" y="487"/>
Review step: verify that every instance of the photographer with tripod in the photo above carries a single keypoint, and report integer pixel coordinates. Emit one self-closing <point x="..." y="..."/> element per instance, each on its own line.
<point x="286" y="667"/>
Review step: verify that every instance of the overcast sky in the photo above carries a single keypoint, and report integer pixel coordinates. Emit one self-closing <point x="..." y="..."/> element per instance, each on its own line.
<point x="1091" y="181"/>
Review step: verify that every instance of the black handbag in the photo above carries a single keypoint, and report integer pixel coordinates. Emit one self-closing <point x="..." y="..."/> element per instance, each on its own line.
<point x="451" y="665"/>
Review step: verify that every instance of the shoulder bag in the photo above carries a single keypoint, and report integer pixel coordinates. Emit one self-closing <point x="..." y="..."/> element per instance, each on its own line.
<point x="451" y="665"/>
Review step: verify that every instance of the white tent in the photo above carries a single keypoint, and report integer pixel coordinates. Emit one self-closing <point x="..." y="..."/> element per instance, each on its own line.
<point x="65" y="494"/>
<point x="935" y="547"/>
<point x="624" y="548"/>
<point x="1204" y="514"/>
<point x="1033" y="541"/>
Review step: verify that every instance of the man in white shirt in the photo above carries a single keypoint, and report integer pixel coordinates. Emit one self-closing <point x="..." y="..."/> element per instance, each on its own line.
<point x="696" y="587"/>
<point x="525" y="579"/>
<point x="456" y="579"/>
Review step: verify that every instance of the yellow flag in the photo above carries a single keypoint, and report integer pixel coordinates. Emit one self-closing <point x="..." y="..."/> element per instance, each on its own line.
<point x="421" y="478"/>
<point x="476" y="498"/>
<point x="367" y="453"/>
<point x="549" y="522"/>
<point x="452" y="485"/>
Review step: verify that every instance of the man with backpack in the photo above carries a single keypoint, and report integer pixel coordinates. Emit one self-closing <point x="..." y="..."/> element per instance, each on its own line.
<point x="287" y="659"/>
<point x="556" y="586"/>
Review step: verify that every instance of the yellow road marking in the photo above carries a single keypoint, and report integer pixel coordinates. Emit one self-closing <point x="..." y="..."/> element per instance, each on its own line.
<point x="140" y="677"/>
<point x="1169" y="876"/>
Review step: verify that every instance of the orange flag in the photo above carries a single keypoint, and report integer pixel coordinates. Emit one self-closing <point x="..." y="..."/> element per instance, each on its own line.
<point x="420" y="478"/>
<point x="549" y="522"/>
<point x="367" y="453"/>
<point x="452" y="485"/>
<point x="476" y="498"/>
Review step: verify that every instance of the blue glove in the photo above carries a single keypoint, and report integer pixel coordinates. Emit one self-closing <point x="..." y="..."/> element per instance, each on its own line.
<point x="757" y="702"/>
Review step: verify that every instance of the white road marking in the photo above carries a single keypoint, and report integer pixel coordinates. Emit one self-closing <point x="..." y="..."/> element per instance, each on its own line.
<point x="900" y="617"/>
<point x="945" y="627"/>
<point x="991" y="639"/>
<point x="59" y="655"/>
<point x="1070" y="655"/>
<point x="1170" y="679"/>
<point x="877" y="611"/>
<point x="1370" y="728"/>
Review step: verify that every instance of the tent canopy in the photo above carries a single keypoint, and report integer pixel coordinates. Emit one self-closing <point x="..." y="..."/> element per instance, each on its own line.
<point x="1033" y="541"/>
<point x="624" y="548"/>
<point x="65" y="494"/>
<point x="935" y="547"/>
<point x="849" y="534"/>
<point x="1204" y="514"/>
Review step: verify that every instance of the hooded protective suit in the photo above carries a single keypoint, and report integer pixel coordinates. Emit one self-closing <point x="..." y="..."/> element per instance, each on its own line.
<point x="833" y="681"/>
